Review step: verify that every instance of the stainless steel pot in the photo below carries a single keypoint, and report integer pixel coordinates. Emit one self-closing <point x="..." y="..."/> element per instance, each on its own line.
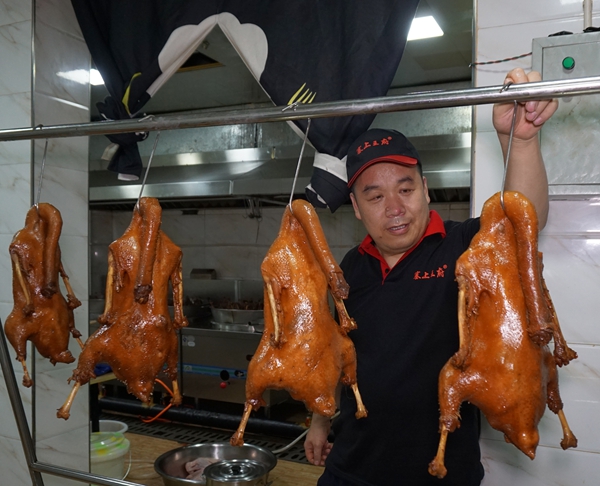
<point x="236" y="472"/>
<point x="171" y="465"/>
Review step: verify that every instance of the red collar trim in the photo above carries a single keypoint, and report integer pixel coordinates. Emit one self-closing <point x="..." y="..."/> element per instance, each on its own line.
<point x="435" y="226"/>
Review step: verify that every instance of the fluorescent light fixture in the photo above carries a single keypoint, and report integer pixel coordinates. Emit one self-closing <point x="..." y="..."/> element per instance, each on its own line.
<point x="95" y="77"/>
<point x="423" y="28"/>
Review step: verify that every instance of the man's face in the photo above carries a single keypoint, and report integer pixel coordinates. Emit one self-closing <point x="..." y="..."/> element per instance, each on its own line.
<point x="393" y="203"/>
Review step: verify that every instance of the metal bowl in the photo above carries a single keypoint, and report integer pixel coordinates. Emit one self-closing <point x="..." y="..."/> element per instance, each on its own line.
<point x="171" y="465"/>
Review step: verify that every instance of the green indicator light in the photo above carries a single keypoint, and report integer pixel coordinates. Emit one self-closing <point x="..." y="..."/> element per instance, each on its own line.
<point x="568" y="63"/>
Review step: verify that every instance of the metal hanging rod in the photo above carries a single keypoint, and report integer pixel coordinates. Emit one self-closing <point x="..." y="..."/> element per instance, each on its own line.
<point x="415" y="101"/>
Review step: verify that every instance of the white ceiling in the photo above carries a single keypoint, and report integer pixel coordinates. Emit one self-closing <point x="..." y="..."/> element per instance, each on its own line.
<point x="425" y="62"/>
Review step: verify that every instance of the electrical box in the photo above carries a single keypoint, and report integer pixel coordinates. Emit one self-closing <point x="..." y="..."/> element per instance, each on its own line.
<point x="570" y="140"/>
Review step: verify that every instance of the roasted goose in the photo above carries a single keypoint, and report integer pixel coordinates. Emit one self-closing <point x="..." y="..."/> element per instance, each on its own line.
<point x="137" y="336"/>
<point x="506" y="320"/>
<point x="302" y="350"/>
<point x="40" y="313"/>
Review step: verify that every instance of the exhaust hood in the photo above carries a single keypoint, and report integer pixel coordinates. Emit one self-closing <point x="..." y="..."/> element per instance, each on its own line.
<point x="227" y="165"/>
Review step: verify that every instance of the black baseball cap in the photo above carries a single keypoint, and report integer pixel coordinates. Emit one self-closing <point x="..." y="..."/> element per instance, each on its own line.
<point x="379" y="145"/>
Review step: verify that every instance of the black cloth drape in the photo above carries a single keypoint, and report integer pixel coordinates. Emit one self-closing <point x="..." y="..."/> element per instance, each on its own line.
<point x="298" y="50"/>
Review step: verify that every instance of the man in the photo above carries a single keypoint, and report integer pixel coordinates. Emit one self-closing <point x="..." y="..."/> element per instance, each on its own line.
<point x="404" y="298"/>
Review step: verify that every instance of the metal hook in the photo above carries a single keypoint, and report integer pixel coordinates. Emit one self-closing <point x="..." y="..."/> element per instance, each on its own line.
<point x="137" y="204"/>
<point x="510" y="138"/>
<point x="298" y="165"/>
<point x="293" y="106"/>
<point x="37" y="199"/>
<point x="506" y="86"/>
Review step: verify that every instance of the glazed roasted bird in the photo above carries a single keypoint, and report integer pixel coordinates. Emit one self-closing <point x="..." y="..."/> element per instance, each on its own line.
<point x="302" y="350"/>
<point x="137" y="336"/>
<point x="40" y="313"/>
<point x="506" y="320"/>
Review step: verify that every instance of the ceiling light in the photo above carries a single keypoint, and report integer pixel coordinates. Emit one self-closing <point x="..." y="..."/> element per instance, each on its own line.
<point x="423" y="28"/>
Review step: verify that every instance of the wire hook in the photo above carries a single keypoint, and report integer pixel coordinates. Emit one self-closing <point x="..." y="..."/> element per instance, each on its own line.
<point x="510" y="139"/>
<point x="299" y="162"/>
<point x="39" y="192"/>
<point x="137" y="204"/>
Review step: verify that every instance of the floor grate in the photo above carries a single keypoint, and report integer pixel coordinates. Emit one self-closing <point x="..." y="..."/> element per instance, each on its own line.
<point x="192" y="434"/>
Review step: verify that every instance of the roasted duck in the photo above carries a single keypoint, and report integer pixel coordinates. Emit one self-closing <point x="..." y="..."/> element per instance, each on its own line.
<point x="506" y="320"/>
<point x="137" y="336"/>
<point x="40" y="313"/>
<point x="303" y="350"/>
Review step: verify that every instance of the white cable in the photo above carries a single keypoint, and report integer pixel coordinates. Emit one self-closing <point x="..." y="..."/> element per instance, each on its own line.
<point x="129" y="467"/>
<point x="285" y="448"/>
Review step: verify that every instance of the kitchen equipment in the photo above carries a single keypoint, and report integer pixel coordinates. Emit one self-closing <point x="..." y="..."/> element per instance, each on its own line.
<point x="214" y="363"/>
<point x="235" y="316"/>
<point x="171" y="465"/>
<point x="108" y="451"/>
<point x="222" y="326"/>
<point x="236" y="472"/>
<point x="203" y="273"/>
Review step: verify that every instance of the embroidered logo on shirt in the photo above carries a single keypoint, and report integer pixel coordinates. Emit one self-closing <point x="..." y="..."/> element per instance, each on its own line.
<point x="439" y="273"/>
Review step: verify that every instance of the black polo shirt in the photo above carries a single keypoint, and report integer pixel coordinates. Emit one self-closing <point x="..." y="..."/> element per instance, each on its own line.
<point x="407" y="330"/>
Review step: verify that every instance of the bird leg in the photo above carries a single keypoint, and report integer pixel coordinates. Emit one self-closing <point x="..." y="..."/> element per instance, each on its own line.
<point x="361" y="411"/>
<point x="436" y="467"/>
<point x="108" y="294"/>
<point x="563" y="354"/>
<point x="179" y="319"/>
<point x="28" y="309"/>
<point x="464" y="335"/>
<point x="72" y="301"/>
<point x="346" y="322"/>
<point x="569" y="439"/>
<point x="273" y="304"/>
<point x="238" y="438"/>
<point x="64" y="411"/>
<point x="27" y="381"/>
<point x="176" y="399"/>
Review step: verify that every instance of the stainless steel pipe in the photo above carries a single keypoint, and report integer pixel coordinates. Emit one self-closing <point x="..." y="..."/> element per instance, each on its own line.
<point x="414" y="101"/>
<point x="18" y="410"/>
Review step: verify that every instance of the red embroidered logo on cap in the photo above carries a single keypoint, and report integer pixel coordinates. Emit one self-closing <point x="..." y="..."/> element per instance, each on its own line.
<point x="374" y="143"/>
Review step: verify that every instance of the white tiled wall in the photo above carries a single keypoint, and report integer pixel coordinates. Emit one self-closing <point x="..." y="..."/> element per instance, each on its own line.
<point x="229" y="241"/>
<point x="15" y="110"/>
<point x="571" y="246"/>
<point x="59" y="48"/>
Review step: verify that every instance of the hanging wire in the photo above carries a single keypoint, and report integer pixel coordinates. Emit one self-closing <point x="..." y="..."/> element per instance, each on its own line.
<point x="510" y="139"/>
<point x="39" y="192"/>
<point x="137" y="204"/>
<point x="152" y="419"/>
<point x="299" y="162"/>
<point x="498" y="61"/>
